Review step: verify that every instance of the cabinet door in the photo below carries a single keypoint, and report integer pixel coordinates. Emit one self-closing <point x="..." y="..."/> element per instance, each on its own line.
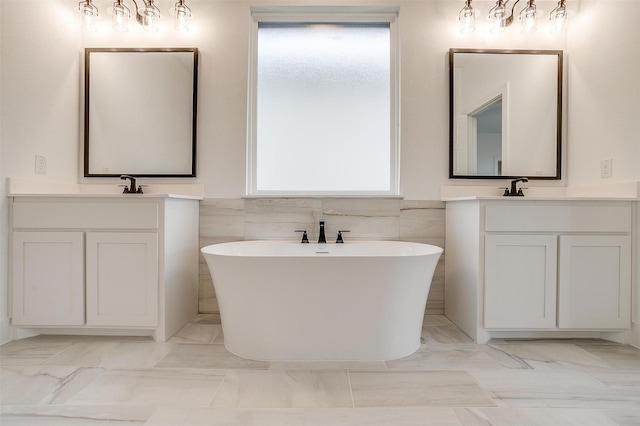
<point x="48" y="278"/>
<point x="122" y="279"/>
<point x="595" y="282"/>
<point x="520" y="281"/>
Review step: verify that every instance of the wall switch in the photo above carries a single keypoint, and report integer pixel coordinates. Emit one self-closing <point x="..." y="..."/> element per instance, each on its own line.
<point x="41" y="164"/>
<point x="606" y="168"/>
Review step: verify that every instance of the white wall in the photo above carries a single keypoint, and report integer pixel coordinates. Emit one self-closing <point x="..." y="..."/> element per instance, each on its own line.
<point x="604" y="112"/>
<point x="4" y="241"/>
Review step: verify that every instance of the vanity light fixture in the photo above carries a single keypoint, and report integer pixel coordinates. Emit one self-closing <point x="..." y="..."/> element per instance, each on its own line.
<point x="467" y="18"/>
<point x="528" y="17"/>
<point x="147" y="15"/>
<point x="181" y="16"/>
<point x="558" y="17"/>
<point x="120" y="15"/>
<point x="89" y="12"/>
<point x="500" y="16"/>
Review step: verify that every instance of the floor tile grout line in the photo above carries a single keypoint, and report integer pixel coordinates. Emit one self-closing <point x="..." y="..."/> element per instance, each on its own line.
<point x="215" y="395"/>
<point x="353" y="402"/>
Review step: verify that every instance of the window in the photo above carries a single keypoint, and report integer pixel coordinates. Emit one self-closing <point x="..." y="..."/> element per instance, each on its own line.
<point x="323" y="105"/>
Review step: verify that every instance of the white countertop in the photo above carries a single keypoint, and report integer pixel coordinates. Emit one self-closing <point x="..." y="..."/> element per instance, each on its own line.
<point x="621" y="191"/>
<point x="18" y="187"/>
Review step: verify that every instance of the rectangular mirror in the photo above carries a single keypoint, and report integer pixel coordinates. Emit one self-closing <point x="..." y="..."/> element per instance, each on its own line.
<point x="140" y="112"/>
<point x="505" y="114"/>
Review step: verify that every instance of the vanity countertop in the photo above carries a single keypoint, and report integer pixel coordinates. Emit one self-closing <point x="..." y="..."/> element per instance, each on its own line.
<point x="87" y="195"/>
<point x="621" y="191"/>
<point x="19" y="187"/>
<point x="533" y="198"/>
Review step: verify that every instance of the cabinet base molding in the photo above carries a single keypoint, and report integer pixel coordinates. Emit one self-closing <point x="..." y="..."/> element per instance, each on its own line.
<point x="24" y="332"/>
<point x="618" y="336"/>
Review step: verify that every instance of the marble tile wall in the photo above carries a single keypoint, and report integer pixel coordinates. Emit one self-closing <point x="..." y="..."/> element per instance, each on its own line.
<point x="223" y="220"/>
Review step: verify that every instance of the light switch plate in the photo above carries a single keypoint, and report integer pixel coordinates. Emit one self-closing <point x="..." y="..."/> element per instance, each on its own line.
<point x="41" y="164"/>
<point x="606" y="168"/>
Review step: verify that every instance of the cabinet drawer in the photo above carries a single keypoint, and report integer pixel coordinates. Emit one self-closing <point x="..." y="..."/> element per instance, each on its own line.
<point x="554" y="218"/>
<point x="90" y="215"/>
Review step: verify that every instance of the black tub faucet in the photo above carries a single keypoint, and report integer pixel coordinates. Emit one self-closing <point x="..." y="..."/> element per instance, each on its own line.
<point x="515" y="192"/>
<point x="321" y="238"/>
<point x="339" y="240"/>
<point x="305" y="239"/>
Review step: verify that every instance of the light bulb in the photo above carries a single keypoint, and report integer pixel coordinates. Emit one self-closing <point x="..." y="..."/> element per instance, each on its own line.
<point x="559" y="17"/>
<point x="89" y="13"/>
<point x="528" y="17"/>
<point x="150" y="16"/>
<point x="498" y="16"/>
<point x="180" y="21"/>
<point x="467" y="17"/>
<point x="120" y="17"/>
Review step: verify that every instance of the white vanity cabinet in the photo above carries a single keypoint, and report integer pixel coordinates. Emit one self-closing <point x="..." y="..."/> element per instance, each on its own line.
<point x="528" y="268"/>
<point x="109" y="264"/>
<point x="122" y="278"/>
<point x="48" y="278"/>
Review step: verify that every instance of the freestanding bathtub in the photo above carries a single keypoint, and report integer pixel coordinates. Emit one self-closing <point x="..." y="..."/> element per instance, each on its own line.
<point x="290" y="301"/>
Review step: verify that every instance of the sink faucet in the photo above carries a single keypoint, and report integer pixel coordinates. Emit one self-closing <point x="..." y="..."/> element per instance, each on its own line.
<point x="132" y="189"/>
<point x="515" y="192"/>
<point x="321" y="238"/>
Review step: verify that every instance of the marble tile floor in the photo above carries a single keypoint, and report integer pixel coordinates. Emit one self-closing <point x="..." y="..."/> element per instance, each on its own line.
<point x="193" y="380"/>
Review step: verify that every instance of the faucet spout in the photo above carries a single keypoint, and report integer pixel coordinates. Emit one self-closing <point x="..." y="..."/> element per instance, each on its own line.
<point x="321" y="237"/>
<point x="132" y="189"/>
<point x="514" y="188"/>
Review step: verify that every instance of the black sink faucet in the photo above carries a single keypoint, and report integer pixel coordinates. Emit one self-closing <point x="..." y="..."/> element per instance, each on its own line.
<point x="515" y="192"/>
<point x="321" y="238"/>
<point x="132" y="189"/>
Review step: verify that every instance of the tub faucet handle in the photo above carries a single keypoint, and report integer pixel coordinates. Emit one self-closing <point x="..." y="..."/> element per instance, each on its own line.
<point x="305" y="239"/>
<point x="339" y="240"/>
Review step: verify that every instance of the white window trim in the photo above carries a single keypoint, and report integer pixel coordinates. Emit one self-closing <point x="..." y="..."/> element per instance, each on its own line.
<point x="324" y="14"/>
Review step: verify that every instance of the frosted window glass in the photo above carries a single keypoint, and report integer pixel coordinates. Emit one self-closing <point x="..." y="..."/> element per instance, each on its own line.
<point x="323" y="107"/>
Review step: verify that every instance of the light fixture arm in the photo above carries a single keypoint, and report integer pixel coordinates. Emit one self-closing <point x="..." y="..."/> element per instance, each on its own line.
<point x="146" y="3"/>
<point x="560" y="8"/>
<point x="509" y="20"/>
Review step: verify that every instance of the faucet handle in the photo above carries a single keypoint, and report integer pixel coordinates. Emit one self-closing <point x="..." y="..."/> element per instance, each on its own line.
<point x="305" y="238"/>
<point x="339" y="240"/>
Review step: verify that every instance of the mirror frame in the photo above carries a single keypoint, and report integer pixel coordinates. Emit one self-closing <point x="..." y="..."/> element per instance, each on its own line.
<point x="559" y="55"/>
<point x="87" y="66"/>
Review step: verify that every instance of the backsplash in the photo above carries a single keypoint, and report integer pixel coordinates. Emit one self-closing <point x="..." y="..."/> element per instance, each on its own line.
<point x="223" y="220"/>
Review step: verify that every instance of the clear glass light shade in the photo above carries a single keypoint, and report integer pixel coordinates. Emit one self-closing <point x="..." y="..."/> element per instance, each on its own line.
<point x="498" y="16"/>
<point x="467" y="18"/>
<point x="150" y="16"/>
<point x="120" y="15"/>
<point x="181" y="16"/>
<point x="528" y="18"/>
<point x="558" y="18"/>
<point x="89" y="15"/>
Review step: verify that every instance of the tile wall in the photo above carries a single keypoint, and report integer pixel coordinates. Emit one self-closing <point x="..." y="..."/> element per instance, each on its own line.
<point x="223" y="220"/>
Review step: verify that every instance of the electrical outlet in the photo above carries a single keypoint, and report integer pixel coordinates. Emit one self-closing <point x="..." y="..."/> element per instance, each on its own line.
<point x="606" y="167"/>
<point x="41" y="164"/>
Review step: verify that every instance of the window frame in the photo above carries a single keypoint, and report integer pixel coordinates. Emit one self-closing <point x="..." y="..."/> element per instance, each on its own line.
<point x="325" y="15"/>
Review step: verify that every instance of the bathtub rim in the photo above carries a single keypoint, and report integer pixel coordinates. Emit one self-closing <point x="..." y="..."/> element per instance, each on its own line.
<point x="315" y="250"/>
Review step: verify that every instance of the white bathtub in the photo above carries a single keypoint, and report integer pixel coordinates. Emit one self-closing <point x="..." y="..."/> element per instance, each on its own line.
<point x="291" y="301"/>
